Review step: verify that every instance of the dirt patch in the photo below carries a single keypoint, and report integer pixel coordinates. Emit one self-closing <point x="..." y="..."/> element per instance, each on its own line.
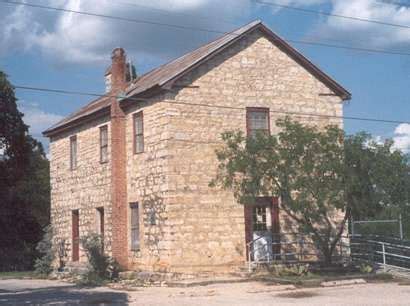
<point x="297" y="294"/>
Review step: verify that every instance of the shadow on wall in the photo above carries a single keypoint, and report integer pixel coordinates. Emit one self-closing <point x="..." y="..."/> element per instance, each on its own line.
<point x="62" y="295"/>
<point x="154" y="219"/>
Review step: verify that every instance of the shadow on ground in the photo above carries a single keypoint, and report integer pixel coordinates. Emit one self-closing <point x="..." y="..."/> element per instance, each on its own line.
<point x="62" y="295"/>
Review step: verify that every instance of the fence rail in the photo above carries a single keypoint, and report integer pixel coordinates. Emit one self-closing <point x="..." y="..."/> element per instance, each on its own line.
<point x="291" y="248"/>
<point x="380" y="252"/>
<point x="286" y="248"/>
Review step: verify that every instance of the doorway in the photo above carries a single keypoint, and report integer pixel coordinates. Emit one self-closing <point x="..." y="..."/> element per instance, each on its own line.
<point x="262" y="229"/>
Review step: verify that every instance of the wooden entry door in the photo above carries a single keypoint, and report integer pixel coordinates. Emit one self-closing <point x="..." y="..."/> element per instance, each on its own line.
<point x="262" y="226"/>
<point x="75" y="235"/>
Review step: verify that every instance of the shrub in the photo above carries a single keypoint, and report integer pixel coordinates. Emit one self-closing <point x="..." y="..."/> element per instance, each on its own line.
<point x="101" y="266"/>
<point x="44" y="265"/>
<point x="291" y="270"/>
<point x="366" y="267"/>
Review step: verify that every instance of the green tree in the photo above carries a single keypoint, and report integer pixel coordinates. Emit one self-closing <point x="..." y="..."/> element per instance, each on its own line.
<point x="24" y="185"/>
<point x="321" y="176"/>
<point x="378" y="179"/>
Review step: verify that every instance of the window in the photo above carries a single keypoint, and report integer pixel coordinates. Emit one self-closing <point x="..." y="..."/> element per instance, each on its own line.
<point x="75" y="230"/>
<point x="73" y="152"/>
<point x="100" y="224"/>
<point x="104" y="144"/>
<point x="138" y="133"/>
<point x="100" y="221"/>
<point x="259" y="218"/>
<point x="135" y="227"/>
<point x="257" y="120"/>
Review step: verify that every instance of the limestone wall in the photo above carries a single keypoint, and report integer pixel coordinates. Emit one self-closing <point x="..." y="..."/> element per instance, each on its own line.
<point x="196" y="227"/>
<point x="148" y="183"/>
<point x="207" y="224"/>
<point x="85" y="188"/>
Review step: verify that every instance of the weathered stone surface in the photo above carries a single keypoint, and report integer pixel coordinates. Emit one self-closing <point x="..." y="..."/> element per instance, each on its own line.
<point x="197" y="228"/>
<point x="86" y="188"/>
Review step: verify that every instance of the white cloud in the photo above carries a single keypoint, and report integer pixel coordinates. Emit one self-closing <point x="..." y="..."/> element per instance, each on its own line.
<point x="402" y="137"/>
<point x="366" y="33"/>
<point x="37" y="119"/>
<point x="18" y="29"/>
<point x="72" y="38"/>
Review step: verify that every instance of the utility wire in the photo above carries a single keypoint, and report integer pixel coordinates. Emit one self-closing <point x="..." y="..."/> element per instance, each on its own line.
<point x="397" y="3"/>
<point x="40" y="6"/>
<point x="310" y="11"/>
<point x="181" y="27"/>
<point x="210" y="105"/>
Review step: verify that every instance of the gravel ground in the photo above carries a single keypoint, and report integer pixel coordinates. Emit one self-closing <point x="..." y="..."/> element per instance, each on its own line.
<point x="42" y="292"/>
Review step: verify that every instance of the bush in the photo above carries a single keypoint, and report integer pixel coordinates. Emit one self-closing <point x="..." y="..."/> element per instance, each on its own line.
<point x="101" y="266"/>
<point x="44" y="265"/>
<point x="291" y="270"/>
<point x="365" y="267"/>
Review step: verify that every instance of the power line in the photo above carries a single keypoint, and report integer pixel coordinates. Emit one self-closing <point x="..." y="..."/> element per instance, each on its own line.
<point x="139" y="21"/>
<point x="167" y="12"/>
<point x="181" y="27"/>
<point x="310" y="11"/>
<point x="398" y="3"/>
<point x="211" y="105"/>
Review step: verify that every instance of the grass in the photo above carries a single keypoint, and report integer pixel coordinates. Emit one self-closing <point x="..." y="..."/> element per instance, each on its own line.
<point x="17" y="274"/>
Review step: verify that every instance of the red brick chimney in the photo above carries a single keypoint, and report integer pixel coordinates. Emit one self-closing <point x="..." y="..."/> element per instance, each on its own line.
<point x="116" y="84"/>
<point x="118" y="70"/>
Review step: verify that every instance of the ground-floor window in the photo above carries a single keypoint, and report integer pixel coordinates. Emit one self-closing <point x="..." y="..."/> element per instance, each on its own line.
<point x="75" y="224"/>
<point x="100" y="224"/>
<point x="135" y="226"/>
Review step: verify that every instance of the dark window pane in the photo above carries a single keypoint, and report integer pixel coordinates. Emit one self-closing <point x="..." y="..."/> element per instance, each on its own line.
<point x="257" y="121"/>
<point x="259" y="218"/>
<point x="135" y="230"/>
<point x="73" y="152"/>
<point x="139" y="143"/>
<point x="138" y="132"/>
<point x="104" y="144"/>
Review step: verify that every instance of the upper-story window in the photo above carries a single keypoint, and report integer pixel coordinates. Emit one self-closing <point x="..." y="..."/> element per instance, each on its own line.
<point x="257" y="120"/>
<point x="73" y="152"/>
<point x="104" y="144"/>
<point x="138" y="133"/>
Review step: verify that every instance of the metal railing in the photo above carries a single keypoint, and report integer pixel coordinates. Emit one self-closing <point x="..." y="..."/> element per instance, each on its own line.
<point x="293" y="247"/>
<point x="290" y="247"/>
<point x="386" y="254"/>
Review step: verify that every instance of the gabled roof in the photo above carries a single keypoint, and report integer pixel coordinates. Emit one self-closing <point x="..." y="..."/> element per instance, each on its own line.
<point x="164" y="75"/>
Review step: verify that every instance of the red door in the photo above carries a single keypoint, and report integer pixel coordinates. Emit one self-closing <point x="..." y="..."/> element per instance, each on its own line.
<point x="75" y="235"/>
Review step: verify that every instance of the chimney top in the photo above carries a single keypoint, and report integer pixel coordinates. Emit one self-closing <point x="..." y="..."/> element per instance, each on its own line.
<point x="115" y="75"/>
<point x="118" y="53"/>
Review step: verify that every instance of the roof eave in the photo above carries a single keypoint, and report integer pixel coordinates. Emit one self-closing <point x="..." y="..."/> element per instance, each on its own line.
<point x="77" y="122"/>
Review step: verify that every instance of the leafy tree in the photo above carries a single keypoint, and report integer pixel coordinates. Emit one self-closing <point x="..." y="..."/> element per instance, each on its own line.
<point x="44" y="264"/>
<point x="379" y="180"/>
<point x="24" y="185"/>
<point x="321" y="176"/>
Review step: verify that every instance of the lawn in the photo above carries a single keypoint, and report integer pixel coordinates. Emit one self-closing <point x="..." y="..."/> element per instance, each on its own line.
<point x="17" y="274"/>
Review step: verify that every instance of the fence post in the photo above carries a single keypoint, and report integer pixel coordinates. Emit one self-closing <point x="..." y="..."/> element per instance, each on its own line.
<point x="401" y="227"/>
<point x="352" y="225"/>
<point x="384" y="257"/>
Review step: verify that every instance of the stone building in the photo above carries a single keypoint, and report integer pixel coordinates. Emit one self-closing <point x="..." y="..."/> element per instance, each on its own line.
<point x="134" y="165"/>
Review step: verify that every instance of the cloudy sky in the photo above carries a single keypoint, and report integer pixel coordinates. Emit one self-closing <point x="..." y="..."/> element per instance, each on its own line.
<point x="52" y="49"/>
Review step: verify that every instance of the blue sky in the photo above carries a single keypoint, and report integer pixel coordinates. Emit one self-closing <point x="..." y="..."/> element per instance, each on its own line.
<point x="67" y="51"/>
